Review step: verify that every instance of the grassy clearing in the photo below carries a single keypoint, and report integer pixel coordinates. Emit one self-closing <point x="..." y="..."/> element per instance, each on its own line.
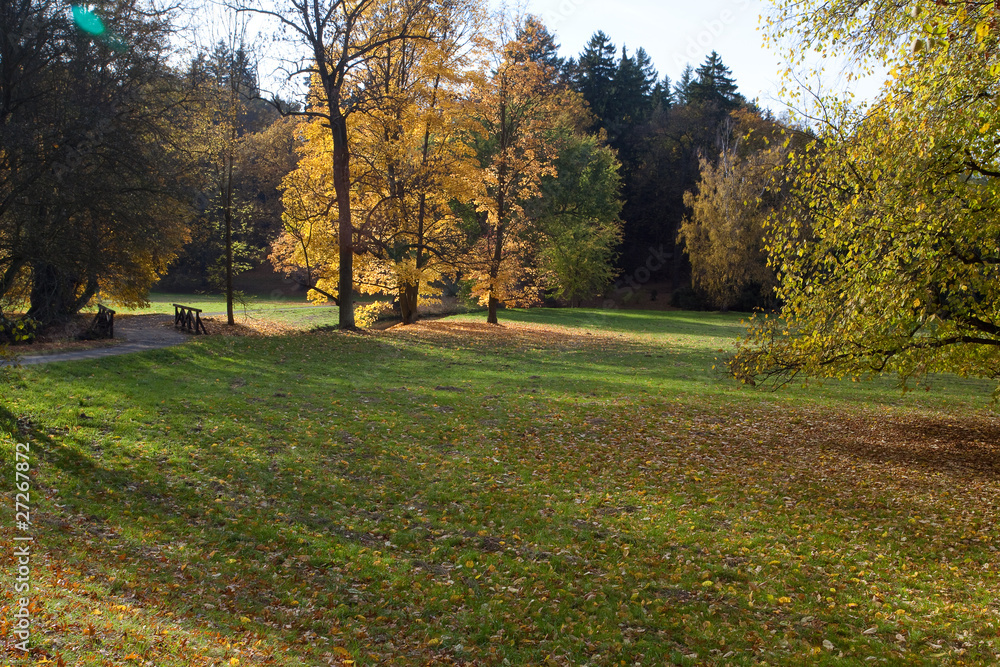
<point x="292" y="310"/>
<point x="162" y="302"/>
<point x="579" y="487"/>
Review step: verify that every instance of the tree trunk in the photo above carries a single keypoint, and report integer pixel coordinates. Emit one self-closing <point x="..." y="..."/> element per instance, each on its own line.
<point x="84" y="298"/>
<point x="229" y="241"/>
<point x="52" y="294"/>
<point x="494" y="303"/>
<point x="10" y="275"/>
<point x="408" y="303"/>
<point x="342" y="186"/>
<point x="491" y="317"/>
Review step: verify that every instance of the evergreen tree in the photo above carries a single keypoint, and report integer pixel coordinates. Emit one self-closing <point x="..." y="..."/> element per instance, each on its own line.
<point x="663" y="94"/>
<point x="659" y="129"/>
<point x="232" y="67"/>
<point x="633" y="85"/>
<point x="683" y="89"/>
<point x="595" y="74"/>
<point x="645" y="65"/>
<point x="539" y="45"/>
<point x="714" y="84"/>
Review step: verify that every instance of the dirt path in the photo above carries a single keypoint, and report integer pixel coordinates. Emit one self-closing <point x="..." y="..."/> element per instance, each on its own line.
<point x="139" y="333"/>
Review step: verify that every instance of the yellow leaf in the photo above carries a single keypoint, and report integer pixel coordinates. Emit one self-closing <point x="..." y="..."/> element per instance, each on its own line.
<point x="982" y="30"/>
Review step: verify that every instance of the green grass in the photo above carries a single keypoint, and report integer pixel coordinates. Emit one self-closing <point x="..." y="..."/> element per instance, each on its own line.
<point x="540" y="495"/>
<point x="293" y="310"/>
<point x="162" y="302"/>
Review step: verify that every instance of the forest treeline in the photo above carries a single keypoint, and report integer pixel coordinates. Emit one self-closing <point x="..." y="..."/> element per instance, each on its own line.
<point x="444" y="149"/>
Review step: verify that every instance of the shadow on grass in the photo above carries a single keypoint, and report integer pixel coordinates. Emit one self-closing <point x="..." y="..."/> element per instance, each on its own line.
<point x="952" y="448"/>
<point x="712" y="325"/>
<point x="284" y="466"/>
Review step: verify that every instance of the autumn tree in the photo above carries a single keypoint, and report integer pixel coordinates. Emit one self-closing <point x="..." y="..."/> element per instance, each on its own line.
<point x="267" y="155"/>
<point x="306" y="250"/>
<point x="518" y="111"/>
<point x="416" y="166"/>
<point x="340" y="39"/>
<point x="724" y="233"/>
<point x="410" y="166"/>
<point x="225" y="81"/>
<point x="887" y="253"/>
<point x="259" y="143"/>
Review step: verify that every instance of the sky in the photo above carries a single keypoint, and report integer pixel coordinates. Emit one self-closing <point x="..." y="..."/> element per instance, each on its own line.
<point x="677" y="33"/>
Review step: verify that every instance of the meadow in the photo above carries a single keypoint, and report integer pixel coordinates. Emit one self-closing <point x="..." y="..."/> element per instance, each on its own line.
<point x="576" y="487"/>
<point x="290" y="309"/>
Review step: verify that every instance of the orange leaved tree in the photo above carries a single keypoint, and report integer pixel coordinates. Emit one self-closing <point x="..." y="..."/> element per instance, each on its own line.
<point x="518" y="111"/>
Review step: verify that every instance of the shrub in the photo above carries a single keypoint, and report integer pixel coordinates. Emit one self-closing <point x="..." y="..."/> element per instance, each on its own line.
<point x="18" y="331"/>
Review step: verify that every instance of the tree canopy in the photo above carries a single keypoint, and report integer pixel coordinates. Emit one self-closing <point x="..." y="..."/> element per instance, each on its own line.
<point x="724" y="233"/>
<point x="888" y="251"/>
<point x="91" y="187"/>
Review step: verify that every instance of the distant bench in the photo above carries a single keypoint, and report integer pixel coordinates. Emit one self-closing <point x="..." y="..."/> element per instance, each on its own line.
<point x="189" y="319"/>
<point x="103" y="325"/>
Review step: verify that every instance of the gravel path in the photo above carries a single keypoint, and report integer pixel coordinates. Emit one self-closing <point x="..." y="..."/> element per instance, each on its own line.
<point x="140" y="333"/>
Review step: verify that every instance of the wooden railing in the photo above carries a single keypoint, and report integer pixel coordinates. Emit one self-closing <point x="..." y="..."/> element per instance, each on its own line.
<point x="189" y="319"/>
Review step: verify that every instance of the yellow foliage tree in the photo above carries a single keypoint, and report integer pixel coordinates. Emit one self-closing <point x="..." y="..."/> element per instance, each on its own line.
<point x="409" y="166"/>
<point x="887" y="252"/>
<point x="343" y="38"/>
<point x="724" y="234"/>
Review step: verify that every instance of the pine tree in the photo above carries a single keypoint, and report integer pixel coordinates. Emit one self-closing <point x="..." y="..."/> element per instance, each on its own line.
<point x="595" y="74"/>
<point x="539" y="45"/>
<point x="714" y="84"/>
<point x="649" y="74"/>
<point x="633" y="88"/>
<point x="683" y="88"/>
<point x="663" y="94"/>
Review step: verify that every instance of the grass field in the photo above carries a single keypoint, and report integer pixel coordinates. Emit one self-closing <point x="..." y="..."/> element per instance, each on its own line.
<point x="577" y="487"/>
<point x="293" y="309"/>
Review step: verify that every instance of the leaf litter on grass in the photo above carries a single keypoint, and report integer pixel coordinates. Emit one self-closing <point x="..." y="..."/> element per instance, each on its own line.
<point x="593" y="520"/>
